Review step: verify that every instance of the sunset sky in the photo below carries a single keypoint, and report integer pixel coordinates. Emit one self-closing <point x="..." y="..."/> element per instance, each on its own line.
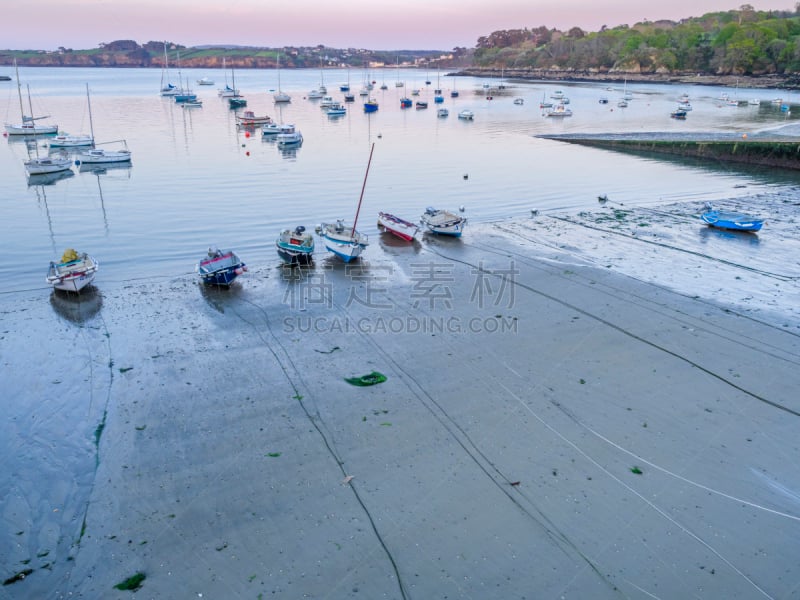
<point x="412" y="24"/>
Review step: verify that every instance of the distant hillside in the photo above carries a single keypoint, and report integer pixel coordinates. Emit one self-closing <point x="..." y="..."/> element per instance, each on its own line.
<point x="742" y="42"/>
<point x="128" y="53"/>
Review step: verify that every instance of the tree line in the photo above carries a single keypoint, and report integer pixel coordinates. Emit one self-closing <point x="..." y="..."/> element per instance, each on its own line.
<point x="734" y="42"/>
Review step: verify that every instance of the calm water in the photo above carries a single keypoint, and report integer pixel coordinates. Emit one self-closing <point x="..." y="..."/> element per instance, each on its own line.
<point x="196" y="180"/>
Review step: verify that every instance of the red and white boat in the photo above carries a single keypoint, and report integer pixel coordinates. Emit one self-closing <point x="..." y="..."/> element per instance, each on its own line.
<point x="403" y="229"/>
<point x="249" y="118"/>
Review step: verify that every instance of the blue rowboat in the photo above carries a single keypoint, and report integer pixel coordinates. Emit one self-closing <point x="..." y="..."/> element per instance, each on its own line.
<point x="731" y="220"/>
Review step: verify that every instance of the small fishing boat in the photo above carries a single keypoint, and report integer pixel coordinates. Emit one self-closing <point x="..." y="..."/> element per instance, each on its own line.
<point x="205" y="81"/>
<point x="270" y="129"/>
<point x="519" y="101"/>
<point x="466" y="114"/>
<point x="421" y="104"/>
<point x="405" y="102"/>
<point x="442" y="112"/>
<point x="443" y="222"/>
<point x="346" y="242"/>
<point x="288" y="135"/>
<point x="336" y="110"/>
<point x="342" y="240"/>
<point x="405" y="230"/>
<point x="237" y="102"/>
<point x="731" y="220"/>
<point x="220" y="268"/>
<point x="678" y="114"/>
<point x="192" y="104"/>
<point x="370" y="105"/>
<point x="73" y="272"/>
<point x="295" y="247"/>
<point x="249" y="118"/>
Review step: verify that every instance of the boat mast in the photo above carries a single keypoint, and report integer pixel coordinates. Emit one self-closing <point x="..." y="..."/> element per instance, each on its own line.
<point x="364" y="185"/>
<point x="19" y="91"/>
<point x="91" y="123"/>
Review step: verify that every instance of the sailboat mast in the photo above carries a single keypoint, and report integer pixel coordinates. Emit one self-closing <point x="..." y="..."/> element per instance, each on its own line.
<point x="89" y="103"/>
<point x="33" y="122"/>
<point x="19" y="91"/>
<point x="363" y="186"/>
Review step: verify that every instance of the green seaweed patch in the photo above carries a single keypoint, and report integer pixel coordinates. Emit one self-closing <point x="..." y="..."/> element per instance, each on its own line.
<point x="43" y="554"/>
<point x="18" y="576"/>
<point x="636" y="470"/>
<point x="386" y="424"/>
<point x="125" y="369"/>
<point x="368" y="379"/>
<point x="132" y="583"/>
<point x="273" y="454"/>
<point x="141" y="427"/>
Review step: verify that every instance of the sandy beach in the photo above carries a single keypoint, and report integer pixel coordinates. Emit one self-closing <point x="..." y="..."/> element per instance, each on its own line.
<point x="593" y="405"/>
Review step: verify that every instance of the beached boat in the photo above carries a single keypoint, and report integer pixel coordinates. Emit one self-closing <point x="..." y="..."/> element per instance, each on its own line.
<point x="295" y="247"/>
<point x="73" y="272"/>
<point x="731" y="220"/>
<point x="678" y="114"/>
<point x="405" y="230"/>
<point x="249" y="118"/>
<point x="466" y="114"/>
<point x="443" y="222"/>
<point x="220" y="268"/>
<point x="288" y="135"/>
<point x="346" y="242"/>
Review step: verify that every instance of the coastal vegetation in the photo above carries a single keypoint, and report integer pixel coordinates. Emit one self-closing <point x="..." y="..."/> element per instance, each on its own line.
<point x="736" y="42"/>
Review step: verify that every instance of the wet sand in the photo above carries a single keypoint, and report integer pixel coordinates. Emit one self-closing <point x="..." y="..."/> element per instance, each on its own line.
<point x="577" y="406"/>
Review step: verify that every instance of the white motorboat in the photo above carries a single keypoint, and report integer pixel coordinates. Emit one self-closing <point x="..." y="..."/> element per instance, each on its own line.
<point x="288" y="135"/>
<point x="443" y="222"/>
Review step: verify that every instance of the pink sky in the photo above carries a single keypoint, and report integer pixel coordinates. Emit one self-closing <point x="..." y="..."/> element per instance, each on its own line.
<point x="412" y="24"/>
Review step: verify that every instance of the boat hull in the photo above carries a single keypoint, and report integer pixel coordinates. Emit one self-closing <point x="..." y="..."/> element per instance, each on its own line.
<point x="44" y="166"/>
<point x="442" y="222"/>
<point x="74" y="275"/>
<point x="100" y="156"/>
<point x="732" y="221"/>
<point x="343" y="242"/>
<point x="295" y="247"/>
<point x="220" y="268"/>
<point x="405" y="230"/>
<point x="28" y="129"/>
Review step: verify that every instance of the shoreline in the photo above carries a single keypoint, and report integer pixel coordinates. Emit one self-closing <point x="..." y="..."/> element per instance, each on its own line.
<point x="629" y="430"/>
<point x="791" y="82"/>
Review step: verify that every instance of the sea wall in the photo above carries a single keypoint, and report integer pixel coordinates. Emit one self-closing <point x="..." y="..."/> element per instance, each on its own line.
<point x="765" y="153"/>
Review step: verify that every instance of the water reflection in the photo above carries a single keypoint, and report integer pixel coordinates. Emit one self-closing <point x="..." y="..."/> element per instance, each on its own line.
<point x="740" y="238"/>
<point x="49" y="178"/>
<point x="219" y="297"/>
<point x="389" y="241"/>
<point x="77" y="308"/>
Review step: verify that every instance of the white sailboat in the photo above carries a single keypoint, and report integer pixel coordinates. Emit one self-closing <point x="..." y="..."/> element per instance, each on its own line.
<point x="100" y="155"/>
<point x="346" y="242"/>
<point x="44" y="165"/>
<point x="167" y="89"/>
<point x="28" y="126"/>
<point x="280" y="96"/>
